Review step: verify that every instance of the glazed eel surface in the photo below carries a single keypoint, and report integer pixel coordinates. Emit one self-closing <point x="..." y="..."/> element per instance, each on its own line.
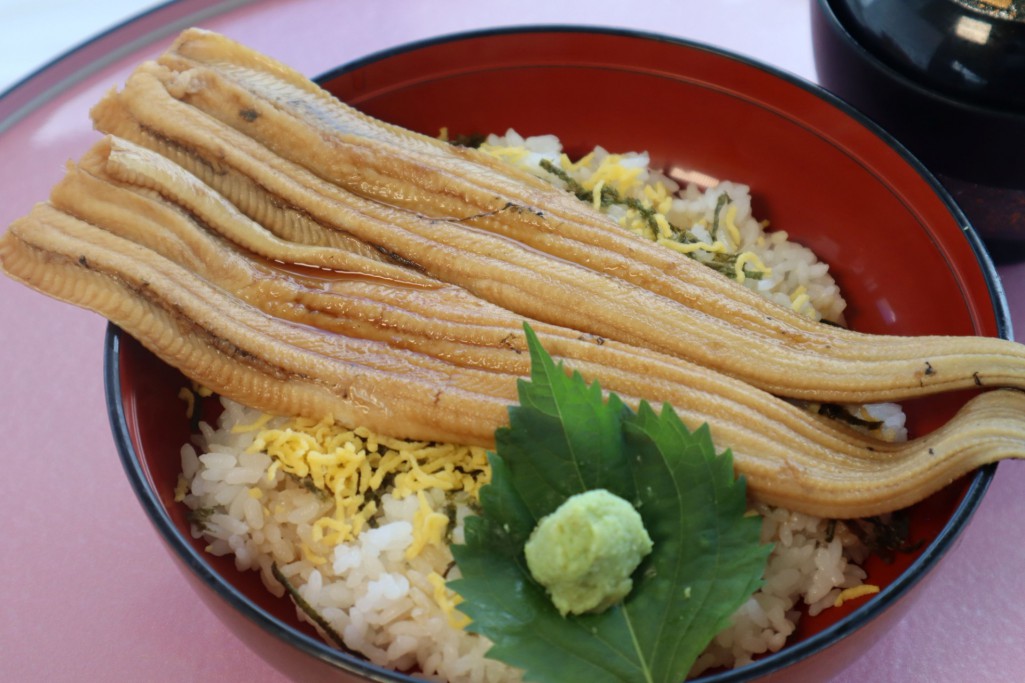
<point x="297" y="256"/>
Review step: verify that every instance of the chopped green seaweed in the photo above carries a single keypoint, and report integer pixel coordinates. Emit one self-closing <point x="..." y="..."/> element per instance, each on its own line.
<point x="301" y="603"/>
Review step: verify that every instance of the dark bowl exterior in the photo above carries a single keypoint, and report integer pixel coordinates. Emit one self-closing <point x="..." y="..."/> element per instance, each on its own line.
<point x="967" y="49"/>
<point x="817" y="168"/>
<point x="974" y="148"/>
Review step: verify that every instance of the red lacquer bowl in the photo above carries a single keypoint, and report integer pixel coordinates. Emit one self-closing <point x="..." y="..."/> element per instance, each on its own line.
<point x="901" y="251"/>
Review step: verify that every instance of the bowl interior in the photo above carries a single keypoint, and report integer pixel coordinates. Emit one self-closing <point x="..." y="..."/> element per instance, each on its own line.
<point x="895" y="244"/>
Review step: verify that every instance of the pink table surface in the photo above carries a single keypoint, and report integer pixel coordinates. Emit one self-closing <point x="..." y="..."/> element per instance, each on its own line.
<point x="89" y="594"/>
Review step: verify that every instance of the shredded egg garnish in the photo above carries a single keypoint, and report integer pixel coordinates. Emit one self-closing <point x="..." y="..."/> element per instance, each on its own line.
<point x="428" y="527"/>
<point x="448" y="601"/>
<point x="731" y="225"/>
<point x="349" y="470"/>
<point x="799" y="298"/>
<point x="855" y="592"/>
<point x="353" y="468"/>
<point x="186" y="395"/>
<point x="181" y="488"/>
<point x="748" y="257"/>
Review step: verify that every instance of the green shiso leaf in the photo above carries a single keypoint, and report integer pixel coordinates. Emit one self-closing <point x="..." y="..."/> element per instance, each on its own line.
<point x="565" y="438"/>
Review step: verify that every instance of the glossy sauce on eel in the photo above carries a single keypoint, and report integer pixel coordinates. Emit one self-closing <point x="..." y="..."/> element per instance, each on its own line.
<point x="297" y="256"/>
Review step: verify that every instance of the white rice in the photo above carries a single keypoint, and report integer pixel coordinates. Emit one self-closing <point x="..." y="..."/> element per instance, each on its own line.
<point x="383" y="593"/>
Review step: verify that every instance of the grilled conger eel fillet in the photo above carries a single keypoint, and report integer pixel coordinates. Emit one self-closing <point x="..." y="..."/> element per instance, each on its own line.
<point x="295" y="255"/>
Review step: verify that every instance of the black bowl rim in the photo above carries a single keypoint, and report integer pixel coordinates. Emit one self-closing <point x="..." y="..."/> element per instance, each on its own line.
<point x="966" y="105"/>
<point x="772" y="663"/>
